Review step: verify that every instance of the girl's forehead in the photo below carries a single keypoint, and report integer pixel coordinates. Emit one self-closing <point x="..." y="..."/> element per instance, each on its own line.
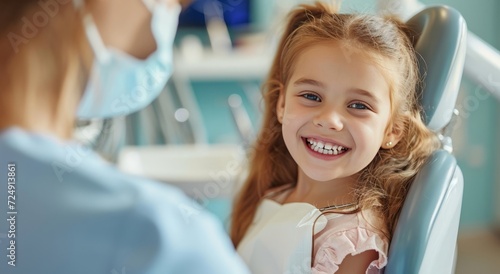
<point x="341" y="55"/>
<point x="330" y="69"/>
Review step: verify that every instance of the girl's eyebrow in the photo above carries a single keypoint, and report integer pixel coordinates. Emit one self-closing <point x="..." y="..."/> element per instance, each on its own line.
<point x="307" y="81"/>
<point x="365" y="93"/>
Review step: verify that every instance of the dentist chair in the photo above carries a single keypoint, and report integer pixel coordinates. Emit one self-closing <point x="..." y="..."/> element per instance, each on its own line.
<point x="426" y="234"/>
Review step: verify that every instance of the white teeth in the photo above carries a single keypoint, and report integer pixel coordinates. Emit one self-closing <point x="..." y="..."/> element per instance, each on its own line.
<point x="325" y="148"/>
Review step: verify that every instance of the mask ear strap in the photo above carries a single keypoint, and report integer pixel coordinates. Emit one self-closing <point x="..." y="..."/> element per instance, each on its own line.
<point x="95" y="40"/>
<point x="93" y="36"/>
<point x="150" y="4"/>
<point x="78" y="4"/>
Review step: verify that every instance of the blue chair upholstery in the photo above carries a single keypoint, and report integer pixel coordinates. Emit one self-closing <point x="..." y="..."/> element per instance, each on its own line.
<point x="425" y="237"/>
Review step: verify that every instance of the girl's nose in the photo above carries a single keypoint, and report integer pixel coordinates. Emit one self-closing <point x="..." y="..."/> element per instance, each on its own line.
<point x="329" y="119"/>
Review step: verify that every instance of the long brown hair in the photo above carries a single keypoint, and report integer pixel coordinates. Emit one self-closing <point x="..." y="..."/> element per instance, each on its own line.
<point x="384" y="183"/>
<point x="44" y="60"/>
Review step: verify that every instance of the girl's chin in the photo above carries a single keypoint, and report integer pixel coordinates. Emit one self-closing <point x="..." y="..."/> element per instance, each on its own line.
<point x="316" y="176"/>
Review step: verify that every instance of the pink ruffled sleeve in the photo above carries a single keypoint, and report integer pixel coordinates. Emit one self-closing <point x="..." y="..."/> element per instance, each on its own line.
<point x="333" y="246"/>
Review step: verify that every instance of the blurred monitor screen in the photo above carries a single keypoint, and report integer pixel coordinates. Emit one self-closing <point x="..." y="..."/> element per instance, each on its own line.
<point x="236" y="13"/>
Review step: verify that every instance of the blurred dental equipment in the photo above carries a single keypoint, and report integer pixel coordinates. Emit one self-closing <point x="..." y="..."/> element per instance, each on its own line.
<point x="241" y="119"/>
<point x="482" y="61"/>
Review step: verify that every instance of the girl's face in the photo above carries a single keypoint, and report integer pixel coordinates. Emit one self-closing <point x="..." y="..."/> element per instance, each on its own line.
<point x="334" y="112"/>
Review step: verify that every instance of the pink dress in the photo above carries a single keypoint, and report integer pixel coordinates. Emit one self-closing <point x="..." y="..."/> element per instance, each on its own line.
<point x="344" y="234"/>
<point x="347" y="234"/>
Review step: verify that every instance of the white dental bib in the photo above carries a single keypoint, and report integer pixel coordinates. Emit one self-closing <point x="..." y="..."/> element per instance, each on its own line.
<point x="280" y="238"/>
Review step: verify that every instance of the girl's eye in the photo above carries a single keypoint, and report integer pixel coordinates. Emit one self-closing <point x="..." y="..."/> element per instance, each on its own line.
<point x="312" y="97"/>
<point x="358" y="106"/>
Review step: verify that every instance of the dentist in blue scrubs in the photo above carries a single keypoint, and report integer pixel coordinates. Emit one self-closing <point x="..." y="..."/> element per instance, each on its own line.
<point x="63" y="209"/>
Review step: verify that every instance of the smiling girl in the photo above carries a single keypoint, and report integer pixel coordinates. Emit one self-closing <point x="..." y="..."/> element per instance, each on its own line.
<point x="341" y="143"/>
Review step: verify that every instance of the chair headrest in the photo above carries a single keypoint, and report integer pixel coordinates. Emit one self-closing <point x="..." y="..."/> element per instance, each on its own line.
<point x="440" y="44"/>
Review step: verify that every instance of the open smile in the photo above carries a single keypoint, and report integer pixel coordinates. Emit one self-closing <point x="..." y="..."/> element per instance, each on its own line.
<point x="324" y="148"/>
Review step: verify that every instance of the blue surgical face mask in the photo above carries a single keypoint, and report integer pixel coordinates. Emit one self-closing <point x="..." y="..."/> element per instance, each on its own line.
<point x="119" y="83"/>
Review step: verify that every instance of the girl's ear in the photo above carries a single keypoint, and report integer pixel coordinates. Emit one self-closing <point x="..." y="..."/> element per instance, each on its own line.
<point x="393" y="135"/>
<point x="280" y="106"/>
